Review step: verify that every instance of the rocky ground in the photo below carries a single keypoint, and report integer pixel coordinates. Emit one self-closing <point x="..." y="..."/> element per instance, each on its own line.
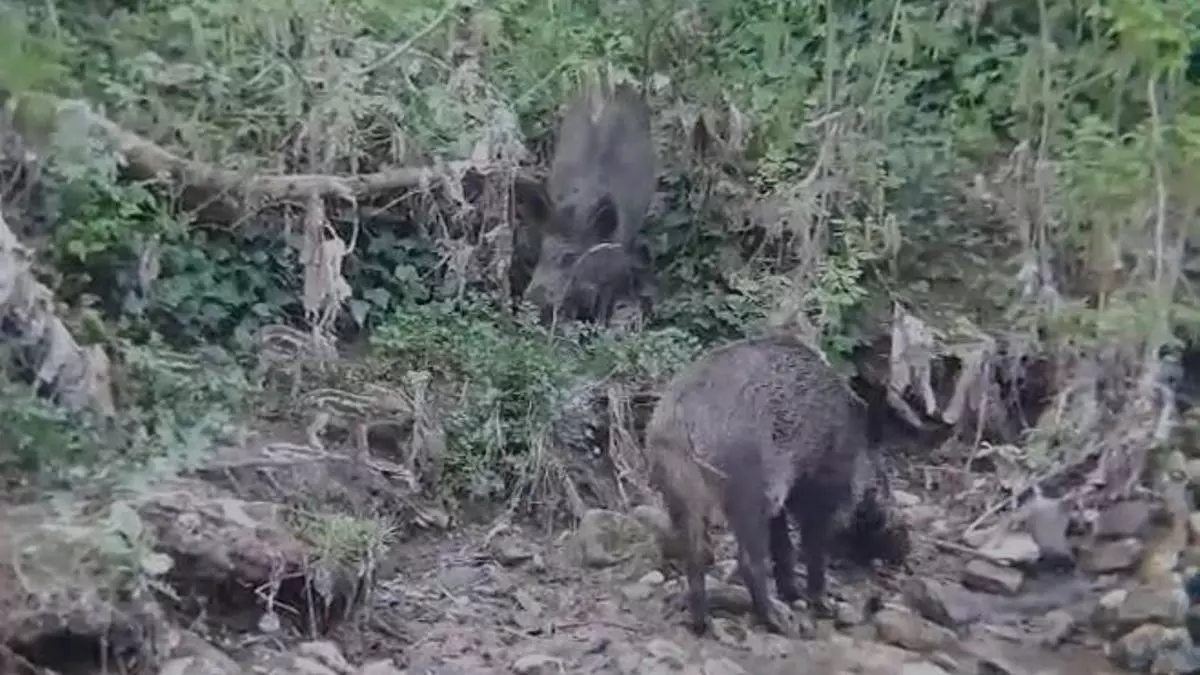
<point x="1098" y="592"/>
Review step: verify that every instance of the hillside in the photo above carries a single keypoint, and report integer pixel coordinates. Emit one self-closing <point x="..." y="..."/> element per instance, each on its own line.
<point x="271" y="398"/>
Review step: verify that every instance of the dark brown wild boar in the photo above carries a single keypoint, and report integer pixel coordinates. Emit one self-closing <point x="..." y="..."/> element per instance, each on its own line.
<point x="601" y="181"/>
<point x="760" y="429"/>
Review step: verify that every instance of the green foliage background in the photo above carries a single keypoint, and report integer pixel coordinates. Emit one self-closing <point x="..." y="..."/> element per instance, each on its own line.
<point x="935" y="153"/>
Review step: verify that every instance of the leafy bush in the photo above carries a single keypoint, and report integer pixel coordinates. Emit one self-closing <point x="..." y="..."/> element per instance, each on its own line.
<point x="171" y="409"/>
<point x="38" y="436"/>
<point x="503" y="382"/>
<point x="1019" y="165"/>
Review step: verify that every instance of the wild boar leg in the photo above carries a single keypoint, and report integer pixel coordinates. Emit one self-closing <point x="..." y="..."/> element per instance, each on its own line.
<point x="783" y="557"/>
<point x="746" y="509"/>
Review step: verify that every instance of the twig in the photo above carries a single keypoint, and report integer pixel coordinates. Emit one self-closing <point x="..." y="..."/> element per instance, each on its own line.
<point x="960" y="548"/>
<point x="1030" y="486"/>
<point x="1038" y="236"/>
<point x="887" y="53"/>
<point x="592" y="622"/>
<point x="1160" y="190"/>
<point x="228" y="193"/>
<point x="999" y="505"/>
<point x="407" y="44"/>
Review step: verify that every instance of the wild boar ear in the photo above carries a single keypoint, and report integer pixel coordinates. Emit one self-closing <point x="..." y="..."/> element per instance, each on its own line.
<point x="604" y="218"/>
<point x="532" y="201"/>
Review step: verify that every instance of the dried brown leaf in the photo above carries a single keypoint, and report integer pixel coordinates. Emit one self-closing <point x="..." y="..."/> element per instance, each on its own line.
<point x="78" y="375"/>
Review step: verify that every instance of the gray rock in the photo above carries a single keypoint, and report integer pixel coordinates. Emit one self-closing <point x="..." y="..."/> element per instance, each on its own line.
<point x="922" y="668"/>
<point x="1143" y="646"/>
<point x="733" y="599"/>
<point x="309" y="658"/>
<point x="988" y="577"/>
<point x="844" y="655"/>
<point x="667" y="652"/>
<point x="458" y="577"/>
<point x="911" y="631"/>
<point x="979" y="538"/>
<point x="846" y="615"/>
<point x="1165" y="605"/>
<point x="652" y="578"/>
<point x="298" y="665"/>
<point x="456" y="665"/>
<point x="1194" y="524"/>
<point x="201" y="665"/>
<point x="945" y="604"/>
<point x="1104" y="616"/>
<point x="1014" y="548"/>
<point x="237" y="545"/>
<point x="537" y="664"/>
<point x="652" y="517"/>
<point x="769" y="645"/>
<point x="995" y="665"/>
<point x="1102" y="557"/>
<point x="625" y="658"/>
<point x="606" y="538"/>
<point x="1176" y="658"/>
<point x="193" y="655"/>
<point x="730" y="632"/>
<point x="926" y="517"/>
<point x="990" y="656"/>
<point x="1123" y="519"/>
<point x="722" y="666"/>
<point x="1048" y="521"/>
<point x="1192" y="468"/>
<point x="511" y="552"/>
<point x="1055" y="627"/>
<point x="327" y="654"/>
<point x="381" y="667"/>
<point x="637" y="592"/>
<point x="945" y="662"/>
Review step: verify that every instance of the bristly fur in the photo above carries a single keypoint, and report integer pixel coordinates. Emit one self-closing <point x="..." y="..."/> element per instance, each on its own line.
<point x="601" y="183"/>
<point x="763" y="429"/>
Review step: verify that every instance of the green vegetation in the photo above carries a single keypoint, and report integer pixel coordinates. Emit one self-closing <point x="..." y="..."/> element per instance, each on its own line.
<point x="1026" y="167"/>
<point x="519" y="378"/>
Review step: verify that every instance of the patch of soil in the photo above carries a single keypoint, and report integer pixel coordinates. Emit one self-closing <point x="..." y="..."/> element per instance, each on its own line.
<point x="462" y="604"/>
<point x="496" y="600"/>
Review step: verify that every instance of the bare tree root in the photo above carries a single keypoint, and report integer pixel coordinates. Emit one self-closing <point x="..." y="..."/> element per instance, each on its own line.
<point x="78" y="376"/>
<point x="225" y="195"/>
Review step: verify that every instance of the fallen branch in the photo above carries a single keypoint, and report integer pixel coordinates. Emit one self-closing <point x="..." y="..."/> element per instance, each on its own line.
<point x="78" y="376"/>
<point x="960" y="548"/>
<point x="225" y="195"/>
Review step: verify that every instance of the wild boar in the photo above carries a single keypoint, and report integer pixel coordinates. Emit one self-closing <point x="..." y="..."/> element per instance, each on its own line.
<point x="763" y="428"/>
<point x="602" y="179"/>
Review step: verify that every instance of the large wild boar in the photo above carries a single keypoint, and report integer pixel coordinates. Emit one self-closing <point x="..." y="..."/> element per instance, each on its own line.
<point x="760" y="429"/>
<point x="601" y="181"/>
